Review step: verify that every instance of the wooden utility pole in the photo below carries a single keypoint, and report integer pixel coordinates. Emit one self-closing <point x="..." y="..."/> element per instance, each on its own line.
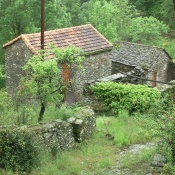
<point x="42" y="24"/>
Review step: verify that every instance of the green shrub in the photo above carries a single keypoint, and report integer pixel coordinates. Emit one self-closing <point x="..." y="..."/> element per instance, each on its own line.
<point x="63" y="112"/>
<point x="5" y="101"/>
<point x="2" y="76"/>
<point x="117" y="96"/>
<point x="18" y="151"/>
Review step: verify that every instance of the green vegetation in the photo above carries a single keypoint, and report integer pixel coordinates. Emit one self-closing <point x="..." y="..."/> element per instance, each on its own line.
<point x="139" y="115"/>
<point x="133" y="98"/>
<point x="44" y="79"/>
<point x="92" y="157"/>
<point x="18" y="151"/>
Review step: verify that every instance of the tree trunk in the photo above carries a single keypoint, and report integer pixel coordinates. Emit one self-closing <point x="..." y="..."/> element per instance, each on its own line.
<point x="42" y="110"/>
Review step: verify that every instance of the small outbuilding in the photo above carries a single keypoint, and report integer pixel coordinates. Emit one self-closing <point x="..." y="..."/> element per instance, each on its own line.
<point x="156" y="61"/>
<point x="97" y="48"/>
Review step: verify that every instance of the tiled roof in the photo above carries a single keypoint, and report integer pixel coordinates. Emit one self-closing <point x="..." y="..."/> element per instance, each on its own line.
<point x="136" y="54"/>
<point x="85" y="37"/>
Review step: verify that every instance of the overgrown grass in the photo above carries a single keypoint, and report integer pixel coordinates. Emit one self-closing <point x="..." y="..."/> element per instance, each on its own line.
<point x="99" y="152"/>
<point x="24" y="114"/>
<point x="91" y="157"/>
<point x="125" y="129"/>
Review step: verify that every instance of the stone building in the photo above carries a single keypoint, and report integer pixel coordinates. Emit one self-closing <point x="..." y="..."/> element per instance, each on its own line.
<point x="97" y="48"/>
<point x="155" y="61"/>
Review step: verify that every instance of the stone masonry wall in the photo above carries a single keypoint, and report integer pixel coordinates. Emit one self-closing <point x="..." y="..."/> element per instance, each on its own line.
<point x="16" y="56"/>
<point x="119" y="67"/>
<point x="94" y="67"/>
<point x="60" y="134"/>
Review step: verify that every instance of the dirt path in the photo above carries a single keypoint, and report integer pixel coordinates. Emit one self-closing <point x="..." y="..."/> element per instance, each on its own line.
<point x="135" y="160"/>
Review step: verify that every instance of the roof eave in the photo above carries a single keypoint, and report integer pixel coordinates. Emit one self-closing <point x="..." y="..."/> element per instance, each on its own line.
<point x="98" y="51"/>
<point x="25" y="41"/>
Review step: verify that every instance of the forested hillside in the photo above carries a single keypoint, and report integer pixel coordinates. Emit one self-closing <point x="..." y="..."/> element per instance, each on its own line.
<point x="142" y="21"/>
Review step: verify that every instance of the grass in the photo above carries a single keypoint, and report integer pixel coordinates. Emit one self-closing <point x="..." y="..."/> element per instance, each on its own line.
<point x="99" y="152"/>
<point x="87" y="158"/>
<point x="125" y="129"/>
<point x="29" y="115"/>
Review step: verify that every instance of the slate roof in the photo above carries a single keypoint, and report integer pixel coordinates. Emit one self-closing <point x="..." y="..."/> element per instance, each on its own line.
<point x="85" y="37"/>
<point x="136" y="54"/>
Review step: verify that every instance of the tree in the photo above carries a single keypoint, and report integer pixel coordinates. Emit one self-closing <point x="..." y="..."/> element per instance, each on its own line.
<point x="110" y="18"/>
<point x="163" y="10"/>
<point x="147" y="30"/>
<point x="123" y="22"/>
<point x="73" y="7"/>
<point x="43" y="80"/>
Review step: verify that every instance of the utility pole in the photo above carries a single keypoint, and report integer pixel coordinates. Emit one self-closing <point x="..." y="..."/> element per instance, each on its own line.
<point x="42" y="24"/>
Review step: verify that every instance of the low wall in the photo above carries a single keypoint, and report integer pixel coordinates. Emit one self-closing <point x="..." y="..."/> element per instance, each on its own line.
<point x="60" y="134"/>
<point x="83" y="124"/>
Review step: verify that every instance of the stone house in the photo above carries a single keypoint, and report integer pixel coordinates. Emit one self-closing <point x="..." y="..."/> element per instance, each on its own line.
<point x="97" y="48"/>
<point x="155" y="61"/>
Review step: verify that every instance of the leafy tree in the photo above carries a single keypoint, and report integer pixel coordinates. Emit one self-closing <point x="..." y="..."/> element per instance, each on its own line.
<point x="110" y="18"/>
<point x="146" y="6"/>
<point x="73" y="7"/>
<point x="55" y="15"/>
<point x="147" y="30"/>
<point x="43" y="80"/>
<point x="163" y="10"/>
<point x="123" y="22"/>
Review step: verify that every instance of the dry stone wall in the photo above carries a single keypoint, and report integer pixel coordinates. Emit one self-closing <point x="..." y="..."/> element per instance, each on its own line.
<point x="83" y="124"/>
<point x="136" y="76"/>
<point x="62" y="135"/>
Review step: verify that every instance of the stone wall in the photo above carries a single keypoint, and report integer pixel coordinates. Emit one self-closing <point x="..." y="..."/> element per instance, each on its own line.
<point x="83" y="124"/>
<point x="136" y="76"/>
<point x="16" y="55"/>
<point x="60" y="134"/>
<point x="94" y="67"/>
<point x="120" y="67"/>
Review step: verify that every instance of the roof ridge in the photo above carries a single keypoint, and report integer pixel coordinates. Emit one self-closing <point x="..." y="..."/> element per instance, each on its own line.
<point x="12" y="41"/>
<point x="48" y="31"/>
<point x="28" y="43"/>
<point x="146" y="45"/>
<point x="134" y="43"/>
<point x="100" y="34"/>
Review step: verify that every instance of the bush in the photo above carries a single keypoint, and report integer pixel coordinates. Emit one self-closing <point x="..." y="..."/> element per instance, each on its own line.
<point x="133" y="98"/>
<point x="5" y="101"/>
<point x="17" y="151"/>
<point x="2" y="76"/>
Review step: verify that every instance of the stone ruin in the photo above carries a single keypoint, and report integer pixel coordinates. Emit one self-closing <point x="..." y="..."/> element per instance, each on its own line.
<point x="136" y="76"/>
<point x="62" y="135"/>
